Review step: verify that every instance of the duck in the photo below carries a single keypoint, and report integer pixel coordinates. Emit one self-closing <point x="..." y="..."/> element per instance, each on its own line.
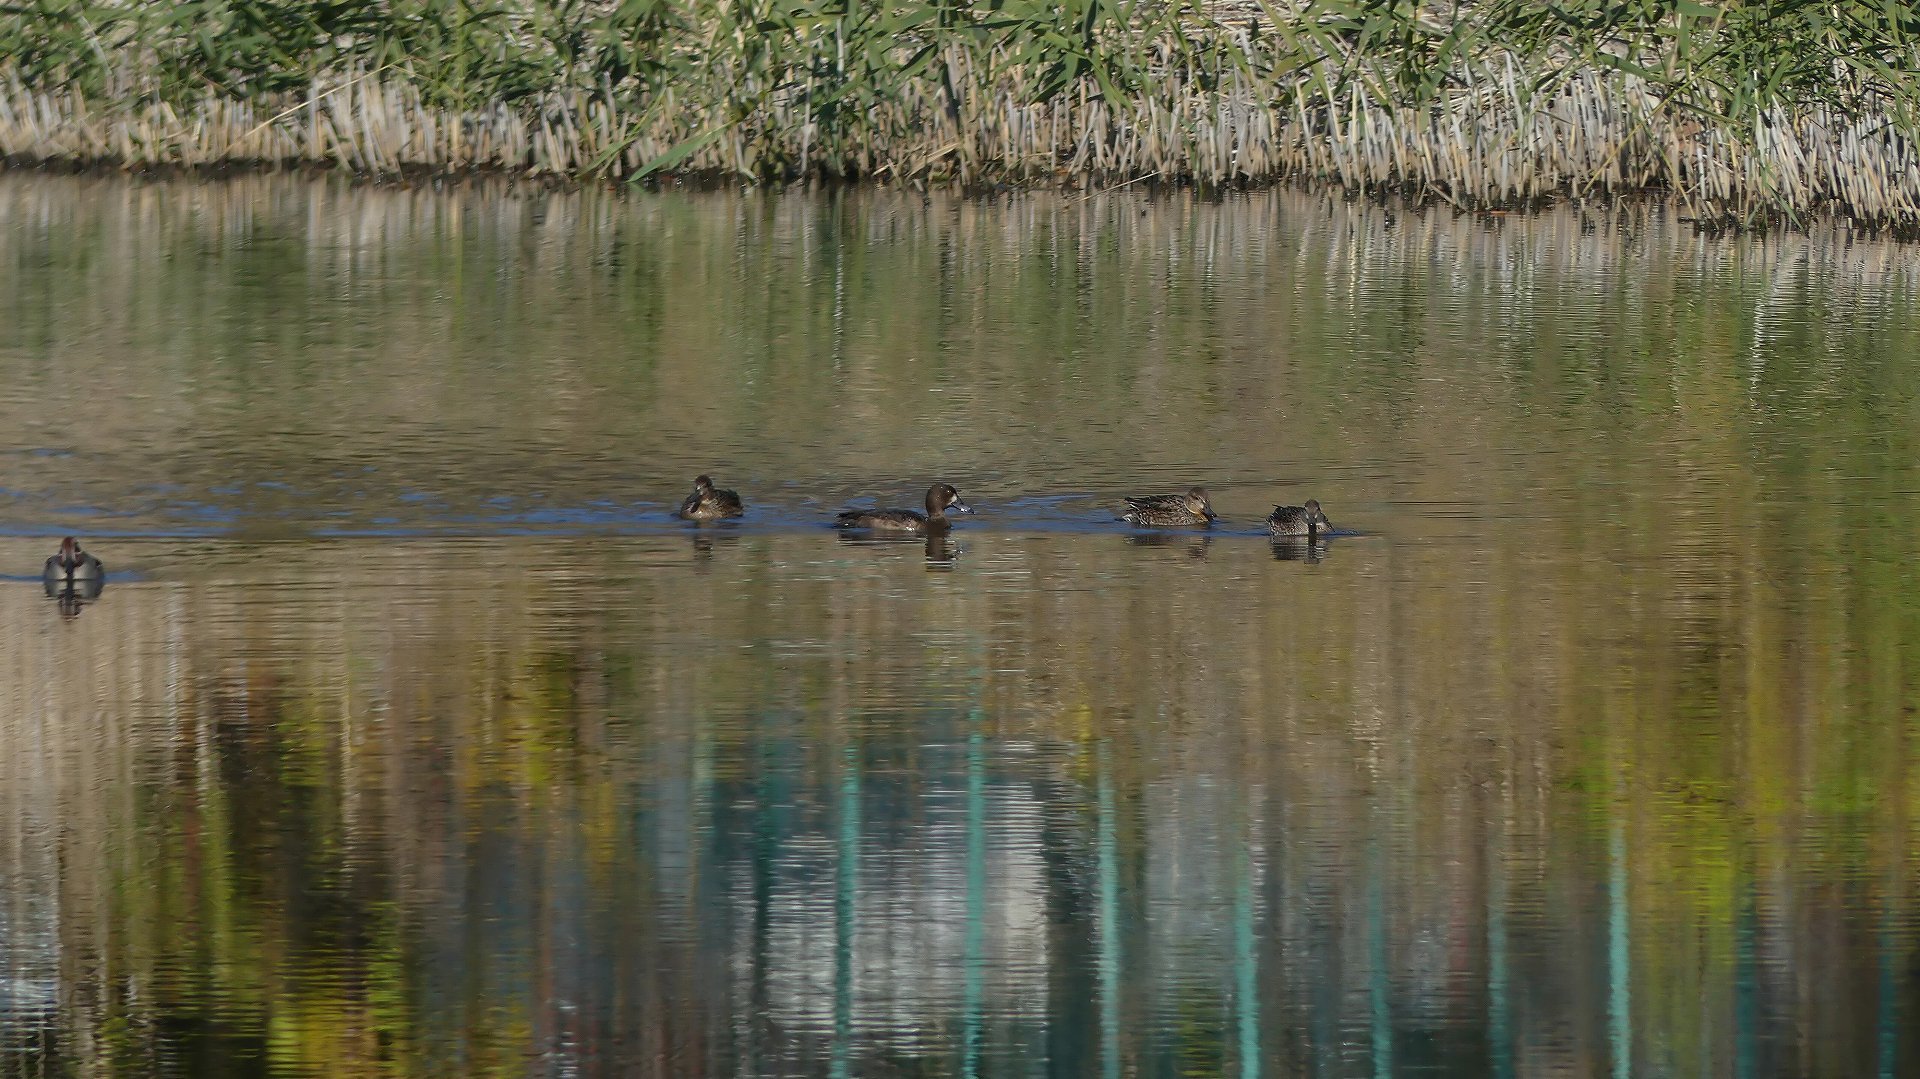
<point x="72" y="564"/>
<point x="709" y="503"/>
<point x="942" y="499"/>
<point x="1304" y="520"/>
<point x="1164" y="511"/>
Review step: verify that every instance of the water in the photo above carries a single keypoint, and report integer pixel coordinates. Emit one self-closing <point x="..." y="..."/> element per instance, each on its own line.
<point x="411" y="736"/>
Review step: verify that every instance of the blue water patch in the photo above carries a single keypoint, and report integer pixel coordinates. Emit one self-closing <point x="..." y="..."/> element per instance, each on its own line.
<point x="205" y="511"/>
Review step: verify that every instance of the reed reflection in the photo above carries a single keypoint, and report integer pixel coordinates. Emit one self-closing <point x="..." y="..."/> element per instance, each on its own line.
<point x="1566" y="765"/>
<point x="715" y="822"/>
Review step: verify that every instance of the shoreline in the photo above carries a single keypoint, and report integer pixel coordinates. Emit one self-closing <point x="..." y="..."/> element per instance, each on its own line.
<point x="1487" y="110"/>
<point x="1598" y="240"/>
<point x="222" y="136"/>
<point x="1658" y="203"/>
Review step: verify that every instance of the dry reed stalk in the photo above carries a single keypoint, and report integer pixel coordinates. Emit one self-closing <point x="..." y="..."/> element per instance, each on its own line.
<point x="1489" y="144"/>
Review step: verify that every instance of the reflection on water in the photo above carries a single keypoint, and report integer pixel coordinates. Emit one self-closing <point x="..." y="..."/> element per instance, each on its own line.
<point x="417" y="738"/>
<point x="72" y="593"/>
<point x="1299" y="548"/>
<point x="942" y="549"/>
<point x="1193" y="542"/>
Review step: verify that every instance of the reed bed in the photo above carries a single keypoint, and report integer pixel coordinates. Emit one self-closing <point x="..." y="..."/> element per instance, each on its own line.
<point x="1741" y="113"/>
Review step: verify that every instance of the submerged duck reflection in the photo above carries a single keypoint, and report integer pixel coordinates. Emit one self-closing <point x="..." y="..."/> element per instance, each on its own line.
<point x="708" y="536"/>
<point x="73" y="593"/>
<point x="1195" y="544"/>
<point x="942" y="550"/>
<point x="1309" y="549"/>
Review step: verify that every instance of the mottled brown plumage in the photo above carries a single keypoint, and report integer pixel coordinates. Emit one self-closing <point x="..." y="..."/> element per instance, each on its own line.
<point x="1304" y="520"/>
<point x="1171" y="511"/>
<point x="709" y="503"/>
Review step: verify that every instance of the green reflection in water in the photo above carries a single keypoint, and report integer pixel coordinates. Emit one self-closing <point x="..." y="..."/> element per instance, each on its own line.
<point x="1108" y="926"/>
<point x="975" y="973"/>
<point x="1619" y="954"/>
<point x="1592" y="754"/>
<point x="846" y="893"/>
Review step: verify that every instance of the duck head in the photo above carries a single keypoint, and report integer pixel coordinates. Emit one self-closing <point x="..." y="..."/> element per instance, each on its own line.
<point x="1316" y="521"/>
<point x="943" y="498"/>
<point x="1198" y="505"/>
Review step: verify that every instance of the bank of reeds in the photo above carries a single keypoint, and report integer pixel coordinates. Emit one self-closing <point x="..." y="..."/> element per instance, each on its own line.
<point x="1740" y="112"/>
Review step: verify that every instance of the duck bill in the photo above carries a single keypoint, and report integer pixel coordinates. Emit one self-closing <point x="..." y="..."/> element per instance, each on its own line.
<point x="958" y="506"/>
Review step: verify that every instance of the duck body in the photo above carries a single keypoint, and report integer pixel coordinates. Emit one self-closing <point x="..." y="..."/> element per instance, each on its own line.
<point x="941" y="498"/>
<point x="709" y="503"/>
<point x="71" y="563"/>
<point x="1171" y="511"/>
<point x="1304" y="520"/>
<point x="909" y="522"/>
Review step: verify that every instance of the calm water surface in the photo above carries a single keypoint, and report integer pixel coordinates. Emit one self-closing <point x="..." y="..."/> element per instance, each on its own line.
<point x="411" y="736"/>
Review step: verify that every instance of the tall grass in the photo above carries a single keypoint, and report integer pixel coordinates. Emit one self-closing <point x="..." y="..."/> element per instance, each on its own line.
<point x="1740" y="111"/>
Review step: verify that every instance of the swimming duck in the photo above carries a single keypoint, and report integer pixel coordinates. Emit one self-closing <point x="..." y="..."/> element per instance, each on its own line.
<point x="1304" y="520"/>
<point x="72" y="564"/>
<point x="709" y="503"/>
<point x="941" y="498"/>
<point x="1163" y="511"/>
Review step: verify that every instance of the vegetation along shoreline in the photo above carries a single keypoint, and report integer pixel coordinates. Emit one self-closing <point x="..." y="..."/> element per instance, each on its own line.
<point x="1737" y="113"/>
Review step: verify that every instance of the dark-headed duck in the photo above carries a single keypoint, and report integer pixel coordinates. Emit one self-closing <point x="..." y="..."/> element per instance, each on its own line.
<point x="72" y="564"/>
<point x="1170" y="511"/>
<point x="941" y="500"/>
<point x="1304" y="520"/>
<point x="709" y="503"/>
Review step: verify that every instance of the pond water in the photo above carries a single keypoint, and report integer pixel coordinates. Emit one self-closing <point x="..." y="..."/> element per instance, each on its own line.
<point x="412" y="736"/>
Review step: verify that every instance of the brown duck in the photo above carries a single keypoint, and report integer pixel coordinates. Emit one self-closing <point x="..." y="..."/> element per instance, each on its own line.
<point x="71" y="563"/>
<point x="1171" y="511"/>
<point x="941" y="500"/>
<point x="1304" y="520"/>
<point x="709" y="503"/>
